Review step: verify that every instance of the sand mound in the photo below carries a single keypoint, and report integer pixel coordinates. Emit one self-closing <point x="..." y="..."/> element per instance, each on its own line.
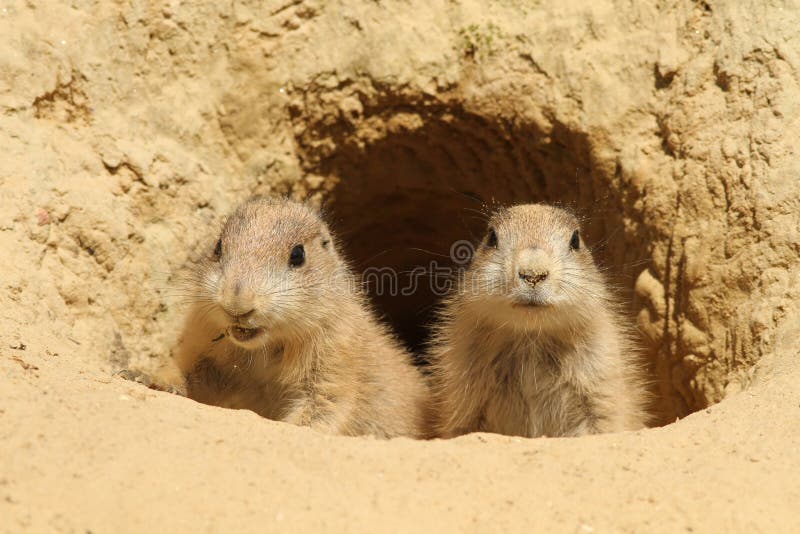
<point x="128" y="131"/>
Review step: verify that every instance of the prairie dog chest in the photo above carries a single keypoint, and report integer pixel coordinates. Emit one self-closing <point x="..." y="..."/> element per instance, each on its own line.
<point x="526" y="393"/>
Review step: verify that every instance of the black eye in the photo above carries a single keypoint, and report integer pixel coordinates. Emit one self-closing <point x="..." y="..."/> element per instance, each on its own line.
<point x="575" y="241"/>
<point x="298" y="256"/>
<point x="218" y="250"/>
<point x="491" y="239"/>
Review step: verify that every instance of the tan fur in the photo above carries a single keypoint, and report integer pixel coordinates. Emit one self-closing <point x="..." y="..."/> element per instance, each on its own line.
<point x="321" y="360"/>
<point x="531" y="343"/>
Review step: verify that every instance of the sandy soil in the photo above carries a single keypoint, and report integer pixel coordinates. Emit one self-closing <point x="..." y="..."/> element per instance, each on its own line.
<point x="85" y="452"/>
<point x="129" y="129"/>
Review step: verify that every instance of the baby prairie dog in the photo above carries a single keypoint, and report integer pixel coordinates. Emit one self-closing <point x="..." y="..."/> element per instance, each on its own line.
<point x="277" y="312"/>
<point x="531" y="342"/>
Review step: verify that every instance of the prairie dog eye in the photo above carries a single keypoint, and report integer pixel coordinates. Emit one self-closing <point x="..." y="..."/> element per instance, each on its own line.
<point x="575" y="241"/>
<point x="297" y="256"/>
<point x="491" y="239"/>
<point x="218" y="250"/>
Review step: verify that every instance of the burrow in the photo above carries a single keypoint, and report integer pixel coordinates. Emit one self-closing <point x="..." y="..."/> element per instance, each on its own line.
<point x="414" y="175"/>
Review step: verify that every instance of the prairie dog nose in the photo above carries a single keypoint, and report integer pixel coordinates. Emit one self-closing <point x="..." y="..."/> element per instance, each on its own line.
<point x="238" y="299"/>
<point x="533" y="266"/>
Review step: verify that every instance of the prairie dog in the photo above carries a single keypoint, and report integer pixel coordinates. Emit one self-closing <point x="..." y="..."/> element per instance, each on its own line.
<point x="279" y="320"/>
<point x="531" y="343"/>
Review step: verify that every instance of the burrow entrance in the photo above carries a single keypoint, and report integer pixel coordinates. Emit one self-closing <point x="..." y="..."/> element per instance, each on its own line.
<point x="412" y="181"/>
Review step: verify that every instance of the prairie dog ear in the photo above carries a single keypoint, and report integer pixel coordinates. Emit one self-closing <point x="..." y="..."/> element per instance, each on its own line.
<point x="327" y="242"/>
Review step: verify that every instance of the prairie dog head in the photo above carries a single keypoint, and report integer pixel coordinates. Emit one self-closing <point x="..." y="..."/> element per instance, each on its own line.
<point x="271" y="273"/>
<point x="532" y="271"/>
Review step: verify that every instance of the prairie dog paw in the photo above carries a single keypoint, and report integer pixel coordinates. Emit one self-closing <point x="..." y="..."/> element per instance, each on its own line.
<point x="152" y="382"/>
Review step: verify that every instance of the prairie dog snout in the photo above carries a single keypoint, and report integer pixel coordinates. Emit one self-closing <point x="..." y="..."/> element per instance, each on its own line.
<point x="533" y="266"/>
<point x="238" y="298"/>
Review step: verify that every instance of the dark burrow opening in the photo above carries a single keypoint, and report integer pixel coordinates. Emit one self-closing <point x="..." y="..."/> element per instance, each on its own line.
<point x="404" y="197"/>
